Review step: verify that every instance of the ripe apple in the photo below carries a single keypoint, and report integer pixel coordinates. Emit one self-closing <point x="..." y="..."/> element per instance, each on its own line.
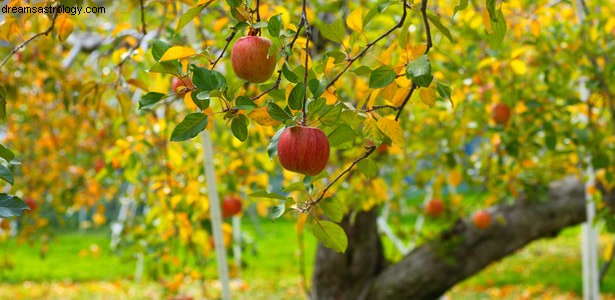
<point x="231" y="205"/>
<point x="32" y="204"/>
<point x="180" y="86"/>
<point x="500" y="113"/>
<point x="251" y="60"/>
<point x="434" y="207"/>
<point x="481" y="219"/>
<point x="99" y="165"/>
<point x="304" y="150"/>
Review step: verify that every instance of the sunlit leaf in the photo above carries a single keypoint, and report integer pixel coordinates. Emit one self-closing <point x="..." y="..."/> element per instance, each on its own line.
<point x="330" y="235"/>
<point x="334" y="31"/>
<point x="381" y="77"/>
<point x="419" y="71"/>
<point x="333" y="208"/>
<point x="150" y="99"/>
<point x="341" y="135"/>
<point x="177" y="52"/>
<point x="393" y="130"/>
<point x="190" y="14"/>
<point x="428" y="96"/>
<point x="295" y="99"/>
<point x="436" y="22"/>
<point x="355" y="19"/>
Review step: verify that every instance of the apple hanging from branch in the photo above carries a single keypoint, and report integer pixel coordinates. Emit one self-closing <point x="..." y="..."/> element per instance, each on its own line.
<point x="231" y="205"/>
<point x="481" y="219"/>
<point x="251" y="60"/>
<point x="434" y="207"/>
<point x="303" y="149"/>
<point x="500" y="113"/>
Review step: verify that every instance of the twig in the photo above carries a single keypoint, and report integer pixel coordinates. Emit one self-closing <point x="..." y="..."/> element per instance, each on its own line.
<point x="370" y="150"/>
<point x="369" y="45"/>
<point x="308" y="35"/>
<point x="429" y="45"/>
<point x="290" y="46"/>
<point x="135" y="47"/>
<point x="228" y="41"/>
<point x="403" y="104"/>
<point x="46" y="32"/>
<point x="377" y="107"/>
<point x="258" y="10"/>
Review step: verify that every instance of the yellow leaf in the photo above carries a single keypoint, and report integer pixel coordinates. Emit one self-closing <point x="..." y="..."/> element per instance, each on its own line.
<point x="608" y="251"/>
<point x="119" y="28"/>
<point x="388" y="92"/>
<point x="487" y="21"/>
<point x="261" y="116"/>
<point x="177" y="52"/>
<point x="188" y="102"/>
<point x="392" y="129"/>
<point x="137" y="83"/>
<point x="428" y="96"/>
<point x="330" y="96"/>
<point x="454" y="178"/>
<point x="301" y="222"/>
<point x="65" y="27"/>
<point x="518" y="67"/>
<point x="220" y="23"/>
<point x="399" y="97"/>
<point x="355" y="20"/>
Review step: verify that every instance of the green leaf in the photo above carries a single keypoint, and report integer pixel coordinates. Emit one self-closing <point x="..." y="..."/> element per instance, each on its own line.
<point x="333" y="208"/>
<point x="275" y="24"/>
<point x="316" y="106"/>
<point x="192" y="125"/>
<point x="340" y="135"/>
<point x="266" y="194"/>
<point x="189" y="15"/>
<point x="444" y="91"/>
<point x="150" y="99"/>
<point x="239" y="127"/>
<point x="381" y="77"/>
<point x="550" y="136"/>
<point x="463" y="4"/>
<point x="272" y="149"/>
<point x="262" y="24"/>
<point x="330" y="235"/>
<point x="331" y="114"/>
<point x="6" y="153"/>
<point x="200" y="99"/>
<point x="165" y="67"/>
<point x="159" y="48"/>
<point x="11" y="206"/>
<point x="233" y="3"/>
<point x="334" y="31"/>
<point x="207" y="80"/>
<point x="600" y="160"/>
<point x="295" y="99"/>
<point x="317" y="87"/>
<point x="368" y="168"/>
<point x="277" y="113"/>
<point x="289" y="75"/>
<point x="362" y="70"/>
<point x="499" y="31"/>
<point x="419" y="71"/>
<point x="277" y="211"/>
<point x="245" y="103"/>
<point x="6" y="175"/>
<point x="491" y="8"/>
<point x="294" y="187"/>
<point x="436" y="22"/>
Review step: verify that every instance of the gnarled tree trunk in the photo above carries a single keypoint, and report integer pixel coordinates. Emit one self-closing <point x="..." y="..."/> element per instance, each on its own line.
<point x="463" y="250"/>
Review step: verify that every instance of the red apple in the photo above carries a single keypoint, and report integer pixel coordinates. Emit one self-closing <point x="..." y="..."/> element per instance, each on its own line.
<point x="231" y="205"/>
<point x="99" y="165"/>
<point x="181" y="85"/>
<point x="251" y="60"/>
<point x="304" y="150"/>
<point x="434" y="207"/>
<point x="500" y="113"/>
<point x="32" y="204"/>
<point x="481" y="219"/>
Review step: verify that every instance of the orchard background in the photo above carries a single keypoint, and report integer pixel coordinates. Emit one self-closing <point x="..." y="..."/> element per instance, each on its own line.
<point x="458" y="132"/>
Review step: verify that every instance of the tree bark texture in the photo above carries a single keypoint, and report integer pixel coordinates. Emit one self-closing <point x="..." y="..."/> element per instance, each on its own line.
<point x="459" y="252"/>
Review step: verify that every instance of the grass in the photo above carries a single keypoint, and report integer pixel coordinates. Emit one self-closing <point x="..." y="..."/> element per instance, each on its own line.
<point x="72" y="269"/>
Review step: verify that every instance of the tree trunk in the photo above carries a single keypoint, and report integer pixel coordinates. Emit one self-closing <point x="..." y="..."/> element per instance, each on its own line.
<point x="463" y="250"/>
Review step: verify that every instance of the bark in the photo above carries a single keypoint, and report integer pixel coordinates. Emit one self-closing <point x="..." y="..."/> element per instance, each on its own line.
<point x="346" y="276"/>
<point x="463" y="250"/>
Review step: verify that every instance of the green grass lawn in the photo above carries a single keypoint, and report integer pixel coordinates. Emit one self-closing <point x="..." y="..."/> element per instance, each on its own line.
<point x="273" y="268"/>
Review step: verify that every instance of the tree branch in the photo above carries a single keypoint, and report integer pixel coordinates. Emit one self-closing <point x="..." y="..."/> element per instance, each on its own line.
<point x="228" y="41"/>
<point x="26" y="42"/>
<point x="308" y="35"/>
<point x="371" y="44"/>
